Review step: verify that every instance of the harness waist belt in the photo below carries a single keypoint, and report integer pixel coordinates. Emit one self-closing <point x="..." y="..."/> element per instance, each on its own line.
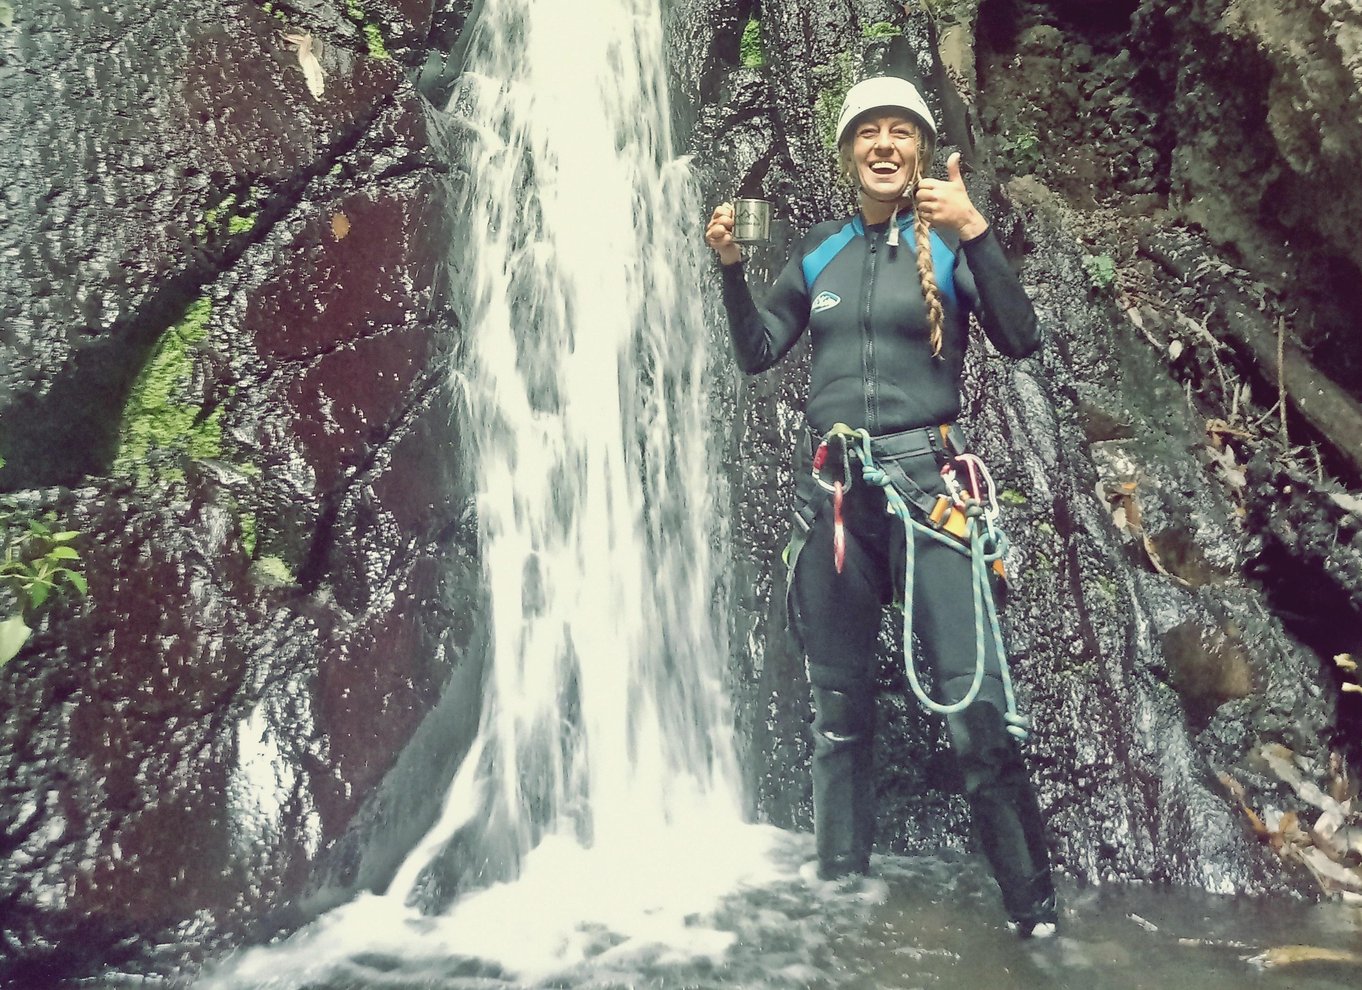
<point x="906" y="443"/>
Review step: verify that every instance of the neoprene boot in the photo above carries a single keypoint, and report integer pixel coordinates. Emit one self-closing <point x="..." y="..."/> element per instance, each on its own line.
<point x="1006" y="816"/>
<point x="843" y="780"/>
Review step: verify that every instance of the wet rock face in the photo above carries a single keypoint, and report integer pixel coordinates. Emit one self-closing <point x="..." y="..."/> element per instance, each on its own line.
<point x="1147" y="657"/>
<point x="225" y="338"/>
<point x="1236" y="117"/>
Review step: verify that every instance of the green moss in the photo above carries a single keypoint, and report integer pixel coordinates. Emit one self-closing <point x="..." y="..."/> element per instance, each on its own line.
<point x="273" y="572"/>
<point x="1010" y="496"/>
<point x="834" y="80"/>
<point x="162" y="424"/>
<point x="373" y="35"/>
<point x="230" y="213"/>
<point x="750" y="48"/>
<point x="375" y="38"/>
<point x="248" y="532"/>
<point x="214" y="214"/>
<point x="881" y="29"/>
<point x="1101" y="271"/>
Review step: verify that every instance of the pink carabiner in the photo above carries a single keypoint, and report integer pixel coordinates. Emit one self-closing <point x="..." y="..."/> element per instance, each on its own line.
<point x="839" y="530"/>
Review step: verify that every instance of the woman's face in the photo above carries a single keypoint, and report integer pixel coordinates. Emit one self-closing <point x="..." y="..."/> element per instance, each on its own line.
<point x="884" y="152"/>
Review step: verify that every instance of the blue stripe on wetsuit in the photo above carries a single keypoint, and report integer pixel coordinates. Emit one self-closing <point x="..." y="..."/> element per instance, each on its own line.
<point x="943" y="258"/>
<point x="943" y="264"/>
<point x="815" y="261"/>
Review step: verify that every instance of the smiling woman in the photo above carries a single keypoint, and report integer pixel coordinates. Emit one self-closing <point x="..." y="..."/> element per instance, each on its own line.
<point x="882" y="157"/>
<point x="884" y="391"/>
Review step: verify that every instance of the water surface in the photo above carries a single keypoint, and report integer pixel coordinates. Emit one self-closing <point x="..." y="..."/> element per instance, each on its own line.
<point x="661" y="923"/>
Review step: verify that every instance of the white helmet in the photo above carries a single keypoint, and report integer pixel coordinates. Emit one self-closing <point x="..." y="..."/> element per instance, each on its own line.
<point x="889" y="92"/>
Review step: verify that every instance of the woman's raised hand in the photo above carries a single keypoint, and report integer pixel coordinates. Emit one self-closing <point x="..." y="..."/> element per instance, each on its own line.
<point x="719" y="235"/>
<point x="946" y="203"/>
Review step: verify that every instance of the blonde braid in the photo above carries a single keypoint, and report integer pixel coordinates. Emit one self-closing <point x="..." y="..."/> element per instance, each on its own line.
<point x="931" y="295"/>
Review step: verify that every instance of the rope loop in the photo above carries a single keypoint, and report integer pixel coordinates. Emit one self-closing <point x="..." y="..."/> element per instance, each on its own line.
<point x="983" y="544"/>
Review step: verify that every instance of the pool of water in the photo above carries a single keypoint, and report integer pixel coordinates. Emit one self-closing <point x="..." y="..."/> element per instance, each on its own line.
<point x="917" y="922"/>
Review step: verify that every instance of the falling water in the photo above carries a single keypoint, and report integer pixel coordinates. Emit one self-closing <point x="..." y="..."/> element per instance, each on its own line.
<point x="604" y="722"/>
<point x="601" y="795"/>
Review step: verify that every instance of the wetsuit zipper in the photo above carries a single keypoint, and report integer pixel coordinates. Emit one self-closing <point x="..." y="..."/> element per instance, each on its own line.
<point x="872" y="398"/>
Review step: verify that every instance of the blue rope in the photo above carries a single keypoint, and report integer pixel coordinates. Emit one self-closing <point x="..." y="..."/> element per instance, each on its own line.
<point x="984" y="605"/>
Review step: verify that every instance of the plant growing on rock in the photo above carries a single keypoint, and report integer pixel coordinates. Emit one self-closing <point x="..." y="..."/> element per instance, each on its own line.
<point x="373" y="34"/>
<point x="1101" y="271"/>
<point x="881" y="29"/>
<point x="37" y="565"/>
<point x="1021" y="152"/>
<point x="750" y="49"/>
<point x="165" y="421"/>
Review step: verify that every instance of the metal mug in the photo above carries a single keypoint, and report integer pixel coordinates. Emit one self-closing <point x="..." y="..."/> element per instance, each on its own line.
<point x="751" y="221"/>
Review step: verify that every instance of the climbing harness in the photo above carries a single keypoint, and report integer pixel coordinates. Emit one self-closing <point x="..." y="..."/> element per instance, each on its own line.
<point x="965" y="519"/>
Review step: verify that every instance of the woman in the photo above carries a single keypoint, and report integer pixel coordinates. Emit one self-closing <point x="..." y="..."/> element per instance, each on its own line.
<point x="889" y="328"/>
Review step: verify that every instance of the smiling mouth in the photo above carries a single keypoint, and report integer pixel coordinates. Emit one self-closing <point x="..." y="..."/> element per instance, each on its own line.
<point x="883" y="168"/>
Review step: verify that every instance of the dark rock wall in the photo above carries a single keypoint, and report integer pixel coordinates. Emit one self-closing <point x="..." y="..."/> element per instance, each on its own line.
<point x="224" y="358"/>
<point x="1237" y="117"/>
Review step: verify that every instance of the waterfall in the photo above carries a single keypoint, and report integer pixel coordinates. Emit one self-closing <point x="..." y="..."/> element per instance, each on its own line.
<point x="599" y="811"/>
<point x="604" y="719"/>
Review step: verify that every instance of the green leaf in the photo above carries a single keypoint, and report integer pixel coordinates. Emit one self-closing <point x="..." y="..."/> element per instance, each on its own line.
<point x="78" y="580"/>
<point x="37" y="593"/>
<point x="13" y="635"/>
<point x="63" y="553"/>
<point x="64" y="535"/>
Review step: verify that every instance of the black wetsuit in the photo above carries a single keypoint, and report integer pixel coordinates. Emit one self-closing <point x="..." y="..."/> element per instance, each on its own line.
<point x="862" y="301"/>
<point x="872" y="367"/>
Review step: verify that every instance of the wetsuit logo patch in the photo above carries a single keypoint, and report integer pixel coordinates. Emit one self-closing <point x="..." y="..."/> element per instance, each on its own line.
<point x="824" y="300"/>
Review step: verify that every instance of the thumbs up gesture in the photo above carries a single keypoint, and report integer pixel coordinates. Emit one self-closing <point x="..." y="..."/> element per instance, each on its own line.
<point x="946" y="203"/>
